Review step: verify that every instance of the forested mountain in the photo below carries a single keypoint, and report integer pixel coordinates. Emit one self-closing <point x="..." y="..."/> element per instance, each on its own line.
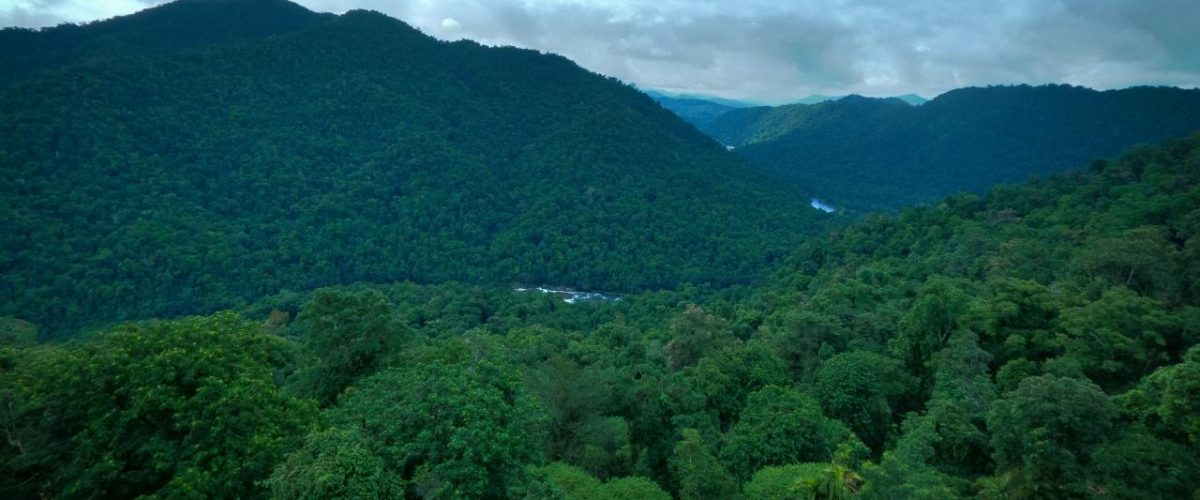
<point x="347" y="149"/>
<point x="883" y="154"/>
<point x="273" y="255"/>
<point x="176" y="25"/>
<point x="697" y="111"/>
<point x="1037" y="342"/>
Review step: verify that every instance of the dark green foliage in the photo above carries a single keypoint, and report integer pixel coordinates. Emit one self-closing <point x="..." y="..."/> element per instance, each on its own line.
<point x="859" y="388"/>
<point x="780" y="426"/>
<point x="1036" y="342"/>
<point x="697" y="471"/>
<point x="447" y="430"/>
<point x="346" y="336"/>
<point x="1142" y="466"/>
<point x="355" y="149"/>
<point x="1013" y="366"/>
<point x="334" y="464"/>
<point x="884" y="154"/>
<point x="180" y="409"/>
<point x="1045" y="431"/>
<point x="1168" y="400"/>
<point x="178" y="25"/>
<point x="1015" y="294"/>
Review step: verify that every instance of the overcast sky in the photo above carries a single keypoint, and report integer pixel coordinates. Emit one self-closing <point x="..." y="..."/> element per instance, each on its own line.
<point x="780" y="50"/>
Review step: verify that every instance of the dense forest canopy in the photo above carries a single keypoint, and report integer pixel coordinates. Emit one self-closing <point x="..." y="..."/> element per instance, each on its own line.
<point x="158" y="183"/>
<point x="279" y="263"/>
<point x="1038" y="342"/>
<point x="178" y="25"/>
<point x="884" y="154"/>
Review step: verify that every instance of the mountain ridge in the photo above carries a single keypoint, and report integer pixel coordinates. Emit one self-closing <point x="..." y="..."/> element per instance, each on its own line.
<point x="360" y="149"/>
<point x="878" y="154"/>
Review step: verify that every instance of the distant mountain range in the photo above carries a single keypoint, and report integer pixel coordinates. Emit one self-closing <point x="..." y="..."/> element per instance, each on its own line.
<point x="696" y="110"/>
<point x="883" y="154"/>
<point x="153" y="168"/>
<point x="702" y="110"/>
<point x="913" y="99"/>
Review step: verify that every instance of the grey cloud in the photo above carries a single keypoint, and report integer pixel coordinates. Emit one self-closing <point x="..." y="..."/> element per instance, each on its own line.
<point x="776" y="51"/>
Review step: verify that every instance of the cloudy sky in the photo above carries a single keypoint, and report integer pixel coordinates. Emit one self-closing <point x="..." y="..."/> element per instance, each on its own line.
<point x="780" y="50"/>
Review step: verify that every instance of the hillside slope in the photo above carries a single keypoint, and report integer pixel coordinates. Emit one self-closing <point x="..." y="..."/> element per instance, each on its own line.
<point x="882" y="154"/>
<point x="358" y="149"/>
<point x="169" y="27"/>
<point x="1067" y="309"/>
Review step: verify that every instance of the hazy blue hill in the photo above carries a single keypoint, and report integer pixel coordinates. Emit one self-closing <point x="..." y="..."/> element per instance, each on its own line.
<point x="357" y="149"/>
<point x="695" y="110"/>
<point x="884" y="154"/>
<point x="913" y="99"/>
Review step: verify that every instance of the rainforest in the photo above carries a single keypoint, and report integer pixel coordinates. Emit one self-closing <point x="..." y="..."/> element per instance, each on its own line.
<point x="250" y="250"/>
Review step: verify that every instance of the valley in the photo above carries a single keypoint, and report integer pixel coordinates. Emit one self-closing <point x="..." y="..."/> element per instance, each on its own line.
<point x="253" y="250"/>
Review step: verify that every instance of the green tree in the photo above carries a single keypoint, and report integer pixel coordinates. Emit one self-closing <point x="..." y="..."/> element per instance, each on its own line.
<point x="1119" y="338"/>
<point x="1142" y="259"/>
<point x="178" y="408"/>
<point x="780" y="426"/>
<point x="347" y="335"/>
<point x="1139" y="465"/>
<point x="938" y="312"/>
<point x="857" y="388"/>
<point x="697" y="472"/>
<point x="561" y="481"/>
<point x="957" y="411"/>
<point x="1046" y="430"/>
<point x="804" y="481"/>
<point x="1168" y="400"/>
<point x="448" y="430"/>
<point x="694" y="333"/>
<point x="579" y="433"/>
<point x="334" y="464"/>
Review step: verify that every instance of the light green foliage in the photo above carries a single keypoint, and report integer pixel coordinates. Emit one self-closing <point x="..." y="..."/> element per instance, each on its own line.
<point x="804" y="481"/>
<point x="16" y="333"/>
<point x="632" y="488"/>
<point x="780" y="426"/>
<point x="1142" y="259"/>
<point x="1168" y="400"/>
<point x="697" y="472"/>
<point x="334" y="464"/>
<point x="449" y="430"/>
<point x="906" y="471"/>
<point x="184" y="408"/>
<point x="562" y="481"/>
<point x="1017" y="320"/>
<point x="800" y="337"/>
